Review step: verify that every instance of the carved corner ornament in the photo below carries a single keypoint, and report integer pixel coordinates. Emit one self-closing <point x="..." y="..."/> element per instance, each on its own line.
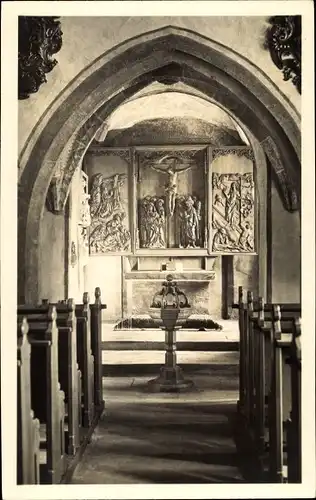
<point x="39" y="39"/>
<point x="283" y="40"/>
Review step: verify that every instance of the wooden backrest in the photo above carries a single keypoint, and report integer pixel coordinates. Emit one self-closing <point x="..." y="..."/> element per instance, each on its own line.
<point x="67" y="357"/>
<point x="85" y="358"/>
<point x="45" y="394"/>
<point x="83" y="320"/>
<point x="43" y="337"/>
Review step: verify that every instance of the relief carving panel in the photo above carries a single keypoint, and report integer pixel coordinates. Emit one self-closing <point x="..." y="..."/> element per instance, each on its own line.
<point x="233" y="212"/>
<point x="108" y="232"/>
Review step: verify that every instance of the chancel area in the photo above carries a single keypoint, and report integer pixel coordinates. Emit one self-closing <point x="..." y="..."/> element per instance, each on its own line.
<point x="159" y="299"/>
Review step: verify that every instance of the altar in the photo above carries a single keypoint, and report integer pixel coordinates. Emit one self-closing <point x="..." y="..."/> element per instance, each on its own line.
<point x="188" y="210"/>
<point x="197" y="278"/>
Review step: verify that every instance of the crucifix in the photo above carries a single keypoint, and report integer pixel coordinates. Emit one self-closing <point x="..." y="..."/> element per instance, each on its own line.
<point x="171" y="186"/>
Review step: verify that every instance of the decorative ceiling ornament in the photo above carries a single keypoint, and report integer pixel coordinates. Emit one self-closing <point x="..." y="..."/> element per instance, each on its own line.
<point x="283" y="39"/>
<point x="39" y="39"/>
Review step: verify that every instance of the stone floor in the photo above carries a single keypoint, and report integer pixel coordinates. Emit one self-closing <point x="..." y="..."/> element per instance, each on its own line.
<point x="149" y="438"/>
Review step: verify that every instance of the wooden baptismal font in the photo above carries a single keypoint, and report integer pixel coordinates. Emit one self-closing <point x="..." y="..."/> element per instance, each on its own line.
<point x="172" y="306"/>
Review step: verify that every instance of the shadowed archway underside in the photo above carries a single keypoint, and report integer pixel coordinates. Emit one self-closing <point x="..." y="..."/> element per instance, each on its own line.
<point x="166" y="55"/>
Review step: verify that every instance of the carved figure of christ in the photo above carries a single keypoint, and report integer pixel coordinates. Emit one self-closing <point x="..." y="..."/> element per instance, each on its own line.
<point x="171" y="186"/>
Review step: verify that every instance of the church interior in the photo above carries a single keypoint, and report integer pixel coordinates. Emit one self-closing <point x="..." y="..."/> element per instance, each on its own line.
<point x="159" y="250"/>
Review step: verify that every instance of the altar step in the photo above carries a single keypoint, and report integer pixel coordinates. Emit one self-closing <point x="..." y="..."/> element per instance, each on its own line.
<point x="228" y="334"/>
<point x="143" y="351"/>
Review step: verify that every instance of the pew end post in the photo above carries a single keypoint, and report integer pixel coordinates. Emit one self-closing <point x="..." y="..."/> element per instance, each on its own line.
<point x="96" y="343"/>
<point x="240" y="307"/>
<point x="295" y="424"/>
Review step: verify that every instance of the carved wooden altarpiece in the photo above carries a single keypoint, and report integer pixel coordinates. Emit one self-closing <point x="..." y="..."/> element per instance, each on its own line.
<point x="173" y="201"/>
<point x="171" y="211"/>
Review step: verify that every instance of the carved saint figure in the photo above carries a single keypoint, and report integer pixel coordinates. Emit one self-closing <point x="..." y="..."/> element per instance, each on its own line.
<point x="73" y="258"/>
<point x="189" y="223"/>
<point x="152" y="226"/>
<point x="84" y="209"/>
<point x="245" y="239"/>
<point x="172" y="185"/>
<point x="224" y="239"/>
<point x="105" y="207"/>
<point x="117" y="183"/>
<point x="220" y="239"/>
<point x="95" y="193"/>
<point x="152" y="222"/>
<point x="232" y="197"/>
<point x="85" y="216"/>
<point x="117" y="236"/>
<point x="161" y="213"/>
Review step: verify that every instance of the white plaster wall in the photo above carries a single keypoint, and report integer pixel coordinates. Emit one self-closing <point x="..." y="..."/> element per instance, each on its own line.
<point x="86" y="38"/>
<point x="286" y="255"/>
<point x="106" y="273"/>
<point x="52" y="257"/>
<point x="168" y="105"/>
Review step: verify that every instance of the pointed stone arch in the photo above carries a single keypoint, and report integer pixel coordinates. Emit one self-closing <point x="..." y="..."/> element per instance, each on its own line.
<point x="168" y="54"/>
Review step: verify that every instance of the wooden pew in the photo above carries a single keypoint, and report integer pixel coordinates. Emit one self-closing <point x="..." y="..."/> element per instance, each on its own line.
<point x="85" y="360"/>
<point x="273" y="333"/>
<point x="28" y="427"/>
<point x="67" y="366"/>
<point x="69" y="373"/>
<point x="261" y="338"/>
<point x="47" y="399"/>
<point x="263" y="355"/>
<point x="249" y="312"/>
<point x="79" y="343"/>
<point x="284" y="449"/>
<point x="69" y="378"/>
<point x="294" y="427"/>
<point x="88" y="338"/>
<point x="266" y="333"/>
<point x="96" y="347"/>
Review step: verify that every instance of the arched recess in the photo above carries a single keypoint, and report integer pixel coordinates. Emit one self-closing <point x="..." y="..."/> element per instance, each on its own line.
<point x="167" y="55"/>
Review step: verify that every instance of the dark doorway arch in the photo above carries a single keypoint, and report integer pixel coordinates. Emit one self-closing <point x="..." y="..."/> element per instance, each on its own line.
<point x="167" y="55"/>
